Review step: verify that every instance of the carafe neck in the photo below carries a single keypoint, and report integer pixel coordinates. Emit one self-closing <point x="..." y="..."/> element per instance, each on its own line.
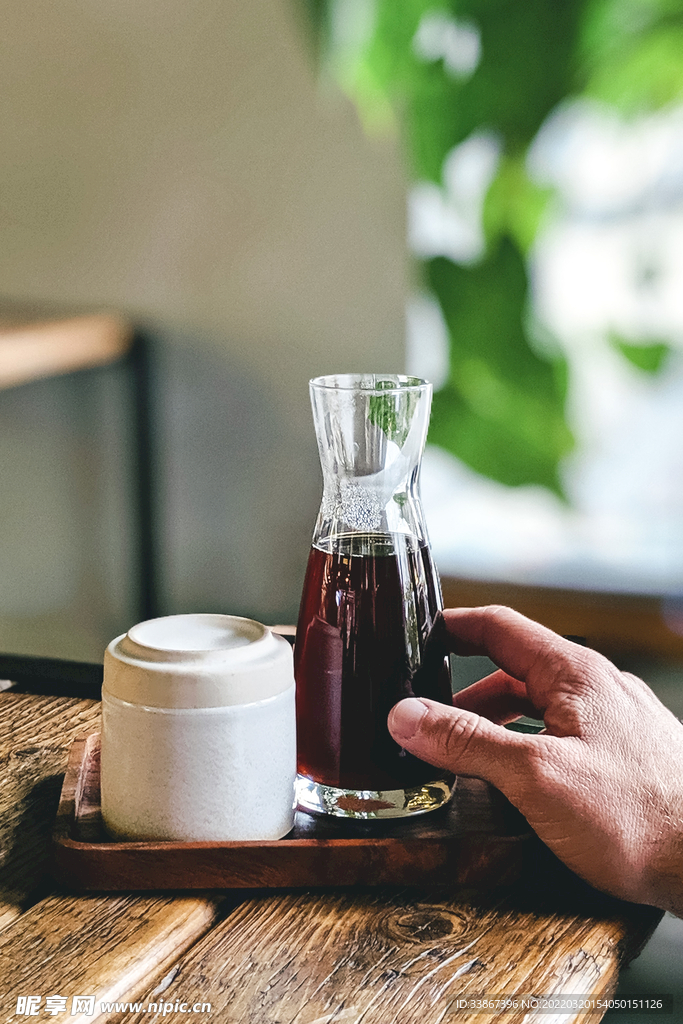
<point x="371" y="433"/>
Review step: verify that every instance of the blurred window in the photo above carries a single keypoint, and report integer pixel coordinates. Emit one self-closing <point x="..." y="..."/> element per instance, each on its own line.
<point x="607" y="283"/>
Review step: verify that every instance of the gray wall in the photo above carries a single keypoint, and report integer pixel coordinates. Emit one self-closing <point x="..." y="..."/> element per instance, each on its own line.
<point x="180" y="161"/>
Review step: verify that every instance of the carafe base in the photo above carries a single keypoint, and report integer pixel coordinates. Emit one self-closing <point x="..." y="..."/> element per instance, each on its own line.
<point x="317" y="798"/>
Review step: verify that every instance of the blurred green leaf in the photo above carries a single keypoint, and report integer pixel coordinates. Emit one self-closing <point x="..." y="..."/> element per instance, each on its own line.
<point x="501" y="411"/>
<point x="644" y="76"/>
<point x="514" y="204"/>
<point x="649" y="357"/>
<point x="631" y="53"/>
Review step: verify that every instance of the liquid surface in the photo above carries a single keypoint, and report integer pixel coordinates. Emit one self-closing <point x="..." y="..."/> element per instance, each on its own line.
<point x="365" y="614"/>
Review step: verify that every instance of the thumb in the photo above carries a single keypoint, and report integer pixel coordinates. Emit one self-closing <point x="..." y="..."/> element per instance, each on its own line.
<point x="460" y="741"/>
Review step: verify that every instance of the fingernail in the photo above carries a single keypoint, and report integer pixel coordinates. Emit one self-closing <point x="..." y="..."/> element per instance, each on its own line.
<point x="405" y="718"/>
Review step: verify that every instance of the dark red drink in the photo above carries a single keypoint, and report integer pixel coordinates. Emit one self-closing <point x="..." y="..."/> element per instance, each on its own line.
<point x="365" y="614"/>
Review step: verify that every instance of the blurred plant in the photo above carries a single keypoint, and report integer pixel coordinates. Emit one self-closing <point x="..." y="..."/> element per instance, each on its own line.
<point x="467" y="84"/>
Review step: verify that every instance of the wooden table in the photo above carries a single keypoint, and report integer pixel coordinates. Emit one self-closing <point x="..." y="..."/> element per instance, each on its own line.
<point x="380" y="956"/>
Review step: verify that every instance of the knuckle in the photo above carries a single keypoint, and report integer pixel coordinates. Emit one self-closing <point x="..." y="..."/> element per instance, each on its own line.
<point x="499" y="611"/>
<point x="576" y="668"/>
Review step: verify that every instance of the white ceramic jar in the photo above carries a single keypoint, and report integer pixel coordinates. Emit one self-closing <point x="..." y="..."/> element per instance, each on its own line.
<point x="198" y="731"/>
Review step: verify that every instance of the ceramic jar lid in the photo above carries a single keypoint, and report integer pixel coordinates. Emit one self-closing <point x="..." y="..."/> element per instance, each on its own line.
<point x="197" y="661"/>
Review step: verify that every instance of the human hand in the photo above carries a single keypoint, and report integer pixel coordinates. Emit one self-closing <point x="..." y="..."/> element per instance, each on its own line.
<point x="602" y="785"/>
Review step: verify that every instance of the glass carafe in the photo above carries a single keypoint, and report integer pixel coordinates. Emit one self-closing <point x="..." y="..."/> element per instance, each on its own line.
<point x="370" y="597"/>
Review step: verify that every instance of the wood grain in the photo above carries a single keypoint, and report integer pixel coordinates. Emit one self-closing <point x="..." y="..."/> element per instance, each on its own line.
<point x="380" y="956"/>
<point x="391" y="957"/>
<point x="35" y="736"/>
<point x="109" y="947"/>
<point x="28" y="722"/>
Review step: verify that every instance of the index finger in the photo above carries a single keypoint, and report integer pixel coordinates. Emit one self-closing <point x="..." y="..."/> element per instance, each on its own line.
<point x="523" y="648"/>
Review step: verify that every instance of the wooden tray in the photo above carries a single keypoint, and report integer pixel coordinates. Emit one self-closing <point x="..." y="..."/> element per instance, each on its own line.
<point x="477" y="838"/>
